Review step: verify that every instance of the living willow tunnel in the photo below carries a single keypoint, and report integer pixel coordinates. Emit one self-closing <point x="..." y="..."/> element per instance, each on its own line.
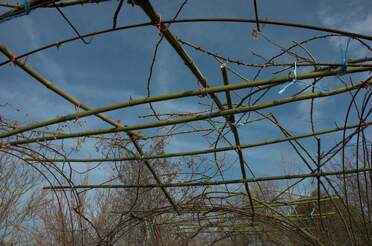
<point x="185" y="122"/>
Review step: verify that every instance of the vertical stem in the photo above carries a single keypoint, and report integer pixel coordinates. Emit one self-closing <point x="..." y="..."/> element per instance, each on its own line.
<point x="231" y="121"/>
<point x="318" y="164"/>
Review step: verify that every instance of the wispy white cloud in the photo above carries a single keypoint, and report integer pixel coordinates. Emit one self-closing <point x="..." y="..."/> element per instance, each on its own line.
<point x="363" y="25"/>
<point x="349" y="16"/>
<point x="48" y="64"/>
<point x="32" y="106"/>
<point x="163" y="74"/>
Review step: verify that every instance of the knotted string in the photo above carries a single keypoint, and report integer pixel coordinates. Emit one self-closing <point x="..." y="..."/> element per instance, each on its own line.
<point x="158" y="24"/>
<point x="13" y="57"/>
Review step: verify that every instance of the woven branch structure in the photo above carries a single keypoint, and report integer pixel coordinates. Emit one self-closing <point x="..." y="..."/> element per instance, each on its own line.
<point x="200" y="195"/>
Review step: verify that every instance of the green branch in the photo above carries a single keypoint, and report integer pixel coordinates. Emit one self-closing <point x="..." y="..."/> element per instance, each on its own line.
<point x="192" y="118"/>
<point x="210" y="183"/>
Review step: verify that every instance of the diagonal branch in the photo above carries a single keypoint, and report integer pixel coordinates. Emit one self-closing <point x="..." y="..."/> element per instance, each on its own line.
<point x="133" y="136"/>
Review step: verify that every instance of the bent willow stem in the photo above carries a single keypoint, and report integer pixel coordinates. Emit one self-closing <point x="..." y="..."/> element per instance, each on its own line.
<point x="177" y="95"/>
<point x="186" y="119"/>
<point x="213" y="183"/>
<point x="206" y="151"/>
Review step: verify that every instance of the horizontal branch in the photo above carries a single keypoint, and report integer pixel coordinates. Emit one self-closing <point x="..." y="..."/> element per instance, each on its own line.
<point x="23" y="9"/>
<point x="176" y="95"/>
<point x="20" y="9"/>
<point x="187" y="208"/>
<point x="211" y="183"/>
<point x="199" y="20"/>
<point x="192" y="118"/>
<point x="207" y="151"/>
<point x="69" y="3"/>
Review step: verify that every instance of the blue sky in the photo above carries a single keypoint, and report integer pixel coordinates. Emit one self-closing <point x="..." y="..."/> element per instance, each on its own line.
<point x="115" y="66"/>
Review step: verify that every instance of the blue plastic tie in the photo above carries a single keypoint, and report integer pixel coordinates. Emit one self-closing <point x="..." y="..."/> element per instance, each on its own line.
<point x="292" y="82"/>
<point x="27" y="6"/>
<point x="27" y="11"/>
<point x="344" y="59"/>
